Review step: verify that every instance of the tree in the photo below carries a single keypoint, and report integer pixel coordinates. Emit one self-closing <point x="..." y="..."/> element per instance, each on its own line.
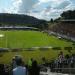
<point x="70" y="14"/>
<point x="51" y="20"/>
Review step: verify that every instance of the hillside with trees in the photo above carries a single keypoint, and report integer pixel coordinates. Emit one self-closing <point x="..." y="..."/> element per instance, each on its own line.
<point x="21" y="20"/>
<point x="70" y="14"/>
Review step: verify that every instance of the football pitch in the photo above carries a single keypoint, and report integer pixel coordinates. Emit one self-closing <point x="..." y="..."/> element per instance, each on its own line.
<point x="26" y="39"/>
<point x="29" y="39"/>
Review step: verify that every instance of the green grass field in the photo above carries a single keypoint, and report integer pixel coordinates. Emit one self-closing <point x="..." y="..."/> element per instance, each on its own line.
<point x="28" y="39"/>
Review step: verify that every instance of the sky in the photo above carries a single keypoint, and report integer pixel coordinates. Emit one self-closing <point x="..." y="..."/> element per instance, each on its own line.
<point x="42" y="9"/>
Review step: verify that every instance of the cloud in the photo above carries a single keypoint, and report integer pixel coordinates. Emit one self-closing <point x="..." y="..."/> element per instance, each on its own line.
<point x="47" y="15"/>
<point x="73" y="1"/>
<point x="42" y="9"/>
<point x="47" y="9"/>
<point x="26" y="6"/>
<point x="43" y="1"/>
<point x="63" y="5"/>
<point x="71" y="6"/>
<point x="14" y="7"/>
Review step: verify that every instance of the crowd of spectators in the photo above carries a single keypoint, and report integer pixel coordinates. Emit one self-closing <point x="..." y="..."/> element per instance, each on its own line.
<point x="17" y="66"/>
<point x="63" y="62"/>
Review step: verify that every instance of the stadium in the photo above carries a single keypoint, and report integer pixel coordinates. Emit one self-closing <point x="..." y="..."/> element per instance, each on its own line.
<point x="32" y="44"/>
<point x="37" y="46"/>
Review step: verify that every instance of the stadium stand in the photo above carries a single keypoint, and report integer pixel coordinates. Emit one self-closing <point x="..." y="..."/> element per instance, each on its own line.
<point x="18" y="28"/>
<point x="65" y="27"/>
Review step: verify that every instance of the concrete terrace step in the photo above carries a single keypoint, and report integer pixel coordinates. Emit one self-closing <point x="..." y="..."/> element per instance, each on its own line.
<point x="50" y="73"/>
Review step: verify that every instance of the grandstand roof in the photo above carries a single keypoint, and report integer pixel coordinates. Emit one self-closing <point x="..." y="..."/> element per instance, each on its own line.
<point x="17" y="27"/>
<point x="71" y="20"/>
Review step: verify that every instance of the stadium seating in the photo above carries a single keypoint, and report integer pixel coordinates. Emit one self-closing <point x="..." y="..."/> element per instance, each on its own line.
<point x="65" y="28"/>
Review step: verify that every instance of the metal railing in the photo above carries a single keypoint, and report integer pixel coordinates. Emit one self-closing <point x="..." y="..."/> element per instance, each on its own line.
<point x="70" y="71"/>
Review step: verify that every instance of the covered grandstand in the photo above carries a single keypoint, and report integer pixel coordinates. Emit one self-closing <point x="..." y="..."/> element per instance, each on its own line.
<point x="18" y="28"/>
<point x="65" y="29"/>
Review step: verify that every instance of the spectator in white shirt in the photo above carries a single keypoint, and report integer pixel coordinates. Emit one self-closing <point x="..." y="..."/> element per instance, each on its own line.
<point x="19" y="70"/>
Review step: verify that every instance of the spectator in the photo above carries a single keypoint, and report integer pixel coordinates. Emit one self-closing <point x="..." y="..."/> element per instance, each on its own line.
<point x="53" y="65"/>
<point x="35" y="68"/>
<point x="14" y="60"/>
<point x="67" y="61"/>
<point x="2" y="69"/>
<point x="6" y="69"/>
<point x="72" y="61"/>
<point x="60" y="60"/>
<point x="13" y="64"/>
<point x="19" y="70"/>
<point x="17" y="57"/>
<point x="30" y="66"/>
<point x="61" y="57"/>
<point x="30" y="62"/>
<point x="44" y="61"/>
